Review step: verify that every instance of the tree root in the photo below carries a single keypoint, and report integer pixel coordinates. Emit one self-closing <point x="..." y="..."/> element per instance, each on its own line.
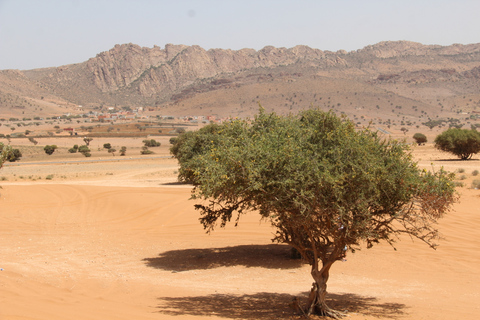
<point x="327" y="312"/>
<point x="320" y="310"/>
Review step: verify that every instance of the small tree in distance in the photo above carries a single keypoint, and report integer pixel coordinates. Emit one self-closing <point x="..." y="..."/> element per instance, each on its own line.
<point x="85" y="151"/>
<point x="420" y="138"/>
<point x="7" y="153"/>
<point x="87" y="140"/>
<point x="323" y="185"/>
<point x="463" y="143"/>
<point x="123" y="151"/>
<point x="151" y="143"/>
<point x="50" y="149"/>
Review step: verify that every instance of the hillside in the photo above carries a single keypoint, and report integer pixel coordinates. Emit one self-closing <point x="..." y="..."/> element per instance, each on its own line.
<point x="401" y="81"/>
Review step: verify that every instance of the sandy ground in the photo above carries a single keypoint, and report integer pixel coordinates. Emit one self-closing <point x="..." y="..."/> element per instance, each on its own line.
<point x="118" y="239"/>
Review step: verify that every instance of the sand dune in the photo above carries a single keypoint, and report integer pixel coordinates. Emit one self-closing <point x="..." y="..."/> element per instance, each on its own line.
<point x="94" y="247"/>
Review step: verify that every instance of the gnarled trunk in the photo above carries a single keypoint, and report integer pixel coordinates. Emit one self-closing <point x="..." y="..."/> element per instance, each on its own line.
<point x="316" y="303"/>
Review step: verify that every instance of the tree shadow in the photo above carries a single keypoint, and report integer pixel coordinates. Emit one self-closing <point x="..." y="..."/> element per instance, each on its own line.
<point x="273" y="256"/>
<point x="268" y="306"/>
<point x="175" y="183"/>
<point x="456" y="159"/>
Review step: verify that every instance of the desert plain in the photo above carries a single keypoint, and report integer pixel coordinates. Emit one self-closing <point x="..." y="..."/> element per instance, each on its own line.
<point x="113" y="237"/>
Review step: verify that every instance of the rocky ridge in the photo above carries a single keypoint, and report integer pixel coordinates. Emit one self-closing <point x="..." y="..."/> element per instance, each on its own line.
<point x="139" y="76"/>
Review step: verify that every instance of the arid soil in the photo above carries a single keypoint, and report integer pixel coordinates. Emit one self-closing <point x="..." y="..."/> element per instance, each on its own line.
<point x="118" y="238"/>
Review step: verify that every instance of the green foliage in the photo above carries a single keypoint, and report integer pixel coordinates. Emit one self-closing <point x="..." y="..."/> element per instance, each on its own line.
<point x="123" y="150"/>
<point x="420" y="138"/>
<point x="85" y="150"/>
<point x="50" y="149"/>
<point x="322" y="184"/>
<point x="107" y="145"/>
<point x="151" y="143"/>
<point x="72" y="150"/>
<point x="145" y="150"/>
<point x="87" y="140"/>
<point x="7" y="153"/>
<point x="433" y="123"/>
<point x="173" y="140"/>
<point x="463" y="143"/>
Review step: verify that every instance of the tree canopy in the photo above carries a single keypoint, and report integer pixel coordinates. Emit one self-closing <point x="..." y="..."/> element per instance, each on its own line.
<point x="420" y="138"/>
<point x="50" y="149"/>
<point x="9" y="154"/>
<point x="326" y="187"/>
<point x="463" y="143"/>
<point x="4" y="153"/>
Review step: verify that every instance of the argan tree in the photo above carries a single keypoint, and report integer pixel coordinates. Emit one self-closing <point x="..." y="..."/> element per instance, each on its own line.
<point x="7" y="153"/>
<point x="463" y="143"/>
<point x="419" y="138"/>
<point x="87" y="141"/>
<point x="326" y="187"/>
<point x="50" y="149"/>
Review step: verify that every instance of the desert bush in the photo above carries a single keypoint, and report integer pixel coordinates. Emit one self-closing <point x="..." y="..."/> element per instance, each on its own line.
<point x="151" y="143"/>
<point x="476" y="184"/>
<point x="85" y="150"/>
<point x="463" y="143"/>
<point x="50" y="149"/>
<point x="173" y="140"/>
<point x="9" y="154"/>
<point x="420" y="138"/>
<point x="123" y="150"/>
<point x="461" y="170"/>
<point x="475" y="173"/>
<point x="145" y="150"/>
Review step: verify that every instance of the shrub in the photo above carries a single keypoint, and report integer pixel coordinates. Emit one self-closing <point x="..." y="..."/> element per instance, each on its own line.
<point x="85" y="151"/>
<point x="461" y="170"/>
<point x="50" y="149"/>
<point x="72" y="150"/>
<point x="475" y="173"/>
<point x="151" y="143"/>
<point x="463" y="143"/>
<point x="145" y="150"/>
<point x="419" y="138"/>
<point x="123" y="150"/>
<point x="476" y="184"/>
<point x="173" y="140"/>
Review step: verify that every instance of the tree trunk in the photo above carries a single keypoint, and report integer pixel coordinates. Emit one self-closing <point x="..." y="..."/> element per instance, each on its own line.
<point x="316" y="303"/>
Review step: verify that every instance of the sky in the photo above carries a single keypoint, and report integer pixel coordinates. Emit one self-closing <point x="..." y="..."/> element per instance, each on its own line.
<point x="51" y="33"/>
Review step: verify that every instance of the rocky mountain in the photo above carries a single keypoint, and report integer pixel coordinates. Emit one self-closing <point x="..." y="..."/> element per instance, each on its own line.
<point x="182" y="79"/>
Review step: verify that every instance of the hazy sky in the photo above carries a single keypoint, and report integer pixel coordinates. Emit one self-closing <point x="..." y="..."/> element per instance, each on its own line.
<point x="47" y="33"/>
